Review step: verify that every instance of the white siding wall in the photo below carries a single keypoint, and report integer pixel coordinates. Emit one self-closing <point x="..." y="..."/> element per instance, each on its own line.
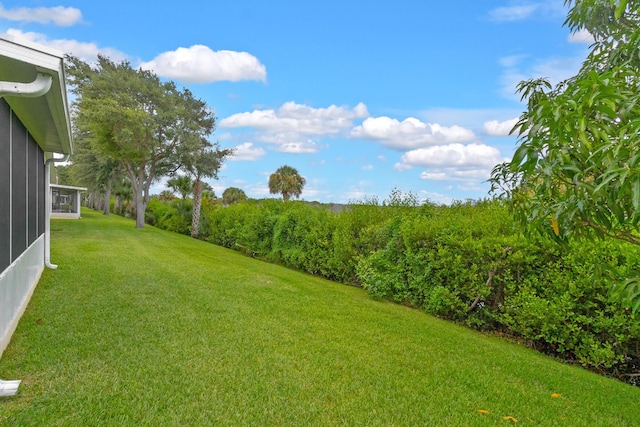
<point x="17" y="284"/>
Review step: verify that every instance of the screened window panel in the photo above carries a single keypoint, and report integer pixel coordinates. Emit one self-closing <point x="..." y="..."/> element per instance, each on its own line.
<point x="5" y="186"/>
<point x="41" y="184"/>
<point x="18" y="188"/>
<point x="32" y="190"/>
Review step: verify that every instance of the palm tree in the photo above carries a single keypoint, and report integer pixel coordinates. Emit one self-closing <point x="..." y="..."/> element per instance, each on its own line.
<point x="286" y="181"/>
<point x="204" y="162"/>
<point x="181" y="184"/>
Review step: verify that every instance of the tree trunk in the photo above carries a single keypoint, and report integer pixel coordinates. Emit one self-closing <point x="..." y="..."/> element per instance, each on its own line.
<point x="107" y="200"/>
<point x="195" y="216"/>
<point x="139" y="208"/>
<point x="137" y="184"/>
<point x="95" y="197"/>
<point x="117" y="205"/>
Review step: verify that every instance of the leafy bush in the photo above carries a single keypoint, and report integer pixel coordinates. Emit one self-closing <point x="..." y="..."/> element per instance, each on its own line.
<point x="173" y="215"/>
<point x="565" y="310"/>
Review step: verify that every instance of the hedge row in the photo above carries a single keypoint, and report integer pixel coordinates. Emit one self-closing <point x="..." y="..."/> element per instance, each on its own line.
<point x="463" y="262"/>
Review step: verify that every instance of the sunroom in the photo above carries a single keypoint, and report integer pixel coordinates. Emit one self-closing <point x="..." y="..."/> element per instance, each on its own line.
<point x="65" y="201"/>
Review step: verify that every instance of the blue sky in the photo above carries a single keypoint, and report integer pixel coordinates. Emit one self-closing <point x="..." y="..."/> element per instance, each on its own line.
<point x="361" y="97"/>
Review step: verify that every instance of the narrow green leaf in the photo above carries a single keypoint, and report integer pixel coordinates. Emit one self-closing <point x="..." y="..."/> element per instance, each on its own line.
<point x="519" y="156"/>
<point x="635" y="192"/>
<point x="606" y="181"/>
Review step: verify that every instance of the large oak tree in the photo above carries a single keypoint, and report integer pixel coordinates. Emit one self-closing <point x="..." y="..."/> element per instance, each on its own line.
<point x="131" y="116"/>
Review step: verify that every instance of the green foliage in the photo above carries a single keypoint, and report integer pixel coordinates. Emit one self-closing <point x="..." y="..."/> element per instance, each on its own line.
<point x="579" y="159"/>
<point x="576" y="171"/>
<point x="565" y="308"/>
<point x="233" y="195"/>
<point x="286" y="181"/>
<point x="190" y="334"/>
<point x="464" y="262"/>
<point x="203" y="162"/>
<point x="64" y="175"/>
<point x="174" y="215"/>
<point x="133" y="119"/>
<point x="181" y="184"/>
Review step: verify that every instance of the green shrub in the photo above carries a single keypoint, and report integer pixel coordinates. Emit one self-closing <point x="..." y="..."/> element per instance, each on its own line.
<point x="565" y="309"/>
<point x="173" y="215"/>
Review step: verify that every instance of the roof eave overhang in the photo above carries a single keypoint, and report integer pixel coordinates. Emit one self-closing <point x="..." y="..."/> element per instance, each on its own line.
<point x="46" y="117"/>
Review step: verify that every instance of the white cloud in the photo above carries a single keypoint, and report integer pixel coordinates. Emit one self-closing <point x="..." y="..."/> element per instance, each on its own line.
<point x="470" y="118"/>
<point x="458" y="155"/>
<point x="400" y="167"/>
<point x="290" y="127"/>
<point x="355" y="194"/>
<point x="581" y="36"/>
<point x="58" y="15"/>
<point x="247" y="152"/>
<point x="435" y="176"/>
<point x="409" y="134"/>
<point x="512" y="13"/>
<point x="200" y="64"/>
<point x="299" y="118"/>
<point x="450" y="174"/>
<point x="455" y="162"/>
<point x="496" y="128"/>
<point x="522" y="10"/>
<point x="296" y="147"/>
<point x="511" y="60"/>
<point x="88" y="52"/>
<point x="289" y="142"/>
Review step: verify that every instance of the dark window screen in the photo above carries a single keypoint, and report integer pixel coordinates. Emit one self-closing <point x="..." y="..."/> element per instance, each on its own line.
<point x="41" y="183"/>
<point x="5" y="186"/>
<point x="19" y="188"/>
<point x="32" y="186"/>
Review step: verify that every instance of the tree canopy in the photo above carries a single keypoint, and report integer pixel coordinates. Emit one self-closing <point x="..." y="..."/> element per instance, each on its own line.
<point x="286" y="181"/>
<point x="233" y="195"/>
<point x="132" y="117"/>
<point x="576" y="170"/>
<point x="181" y="184"/>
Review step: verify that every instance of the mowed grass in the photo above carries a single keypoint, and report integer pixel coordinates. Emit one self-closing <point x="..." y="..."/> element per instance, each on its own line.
<point x="147" y="327"/>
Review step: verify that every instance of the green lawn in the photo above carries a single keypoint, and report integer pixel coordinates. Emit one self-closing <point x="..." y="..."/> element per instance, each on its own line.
<point x="146" y="327"/>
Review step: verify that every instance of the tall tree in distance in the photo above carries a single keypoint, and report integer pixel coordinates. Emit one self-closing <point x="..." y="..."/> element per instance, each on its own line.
<point x="134" y="118"/>
<point x="576" y="171"/>
<point x="286" y="181"/>
<point x="233" y="195"/>
<point x="204" y="162"/>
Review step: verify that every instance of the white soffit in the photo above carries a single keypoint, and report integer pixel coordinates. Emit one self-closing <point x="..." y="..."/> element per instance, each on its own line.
<point x="45" y="117"/>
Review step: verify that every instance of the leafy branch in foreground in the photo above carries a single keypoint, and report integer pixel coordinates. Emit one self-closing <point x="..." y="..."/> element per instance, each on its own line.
<point x="576" y="171"/>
